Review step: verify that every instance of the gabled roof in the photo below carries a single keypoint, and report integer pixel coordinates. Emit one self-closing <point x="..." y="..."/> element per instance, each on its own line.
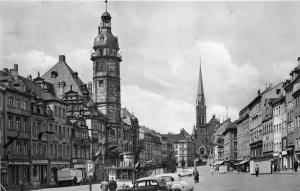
<point x="66" y="74"/>
<point x="127" y="117"/>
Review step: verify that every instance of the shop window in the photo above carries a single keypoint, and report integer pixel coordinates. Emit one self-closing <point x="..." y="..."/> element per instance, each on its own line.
<point x="35" y="170"/>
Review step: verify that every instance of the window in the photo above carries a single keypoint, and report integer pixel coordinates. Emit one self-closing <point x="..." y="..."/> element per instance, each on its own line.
<point x="63" y="113"/>
<point x="18" y="123"/>
<point x="25" y="125"/>
<point x="51" y="149"/>
<point x="18" y="147"/>
<point x="59" y="112"/>
<point x="101" y="83"/>
<point x="153" y="183"/>
<point x="10" y="122"/>
<point x="55" y="111"/>
<point x="10" y="102"/>
<point x="140" y="184"/>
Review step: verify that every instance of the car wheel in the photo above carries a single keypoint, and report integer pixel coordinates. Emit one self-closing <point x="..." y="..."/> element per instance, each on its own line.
<point x="177" y="189"/>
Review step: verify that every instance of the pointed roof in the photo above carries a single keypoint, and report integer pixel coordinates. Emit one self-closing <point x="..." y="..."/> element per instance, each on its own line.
<point x="66" y="74"/>
<point x="200" y="93"/>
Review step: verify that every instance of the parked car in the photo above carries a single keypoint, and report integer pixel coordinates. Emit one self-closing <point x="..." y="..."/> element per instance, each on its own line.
<point x="147" y="184"/>
<point x="175" y="182"/>
<point x="124" y="183"/>
<point x="186" y="172"/>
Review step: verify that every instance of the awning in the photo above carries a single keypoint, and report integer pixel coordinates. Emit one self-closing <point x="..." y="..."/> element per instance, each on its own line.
<point x="243" y="162"/>
<point x="219" y="162"/>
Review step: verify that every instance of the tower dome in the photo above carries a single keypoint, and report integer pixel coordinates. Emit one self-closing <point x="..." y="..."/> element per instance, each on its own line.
<point x="106" y="17"/>
<point x="105" y="38"/>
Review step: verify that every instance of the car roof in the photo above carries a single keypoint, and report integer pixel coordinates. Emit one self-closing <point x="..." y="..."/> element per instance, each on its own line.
<point x="167" y="174"/>
<point x="150" y="178"/>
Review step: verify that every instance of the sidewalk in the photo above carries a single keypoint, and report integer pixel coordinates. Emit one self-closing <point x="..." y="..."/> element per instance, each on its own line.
<point x="289" y="171"/>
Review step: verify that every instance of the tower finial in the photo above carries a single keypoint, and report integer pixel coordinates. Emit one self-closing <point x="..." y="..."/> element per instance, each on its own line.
<point x="106" y="5"/>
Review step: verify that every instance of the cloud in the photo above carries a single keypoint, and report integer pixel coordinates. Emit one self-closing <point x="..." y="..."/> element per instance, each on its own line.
<point x="29" y="62"/>
<point x="161" y="44"/>
<point x="157" y="112"/>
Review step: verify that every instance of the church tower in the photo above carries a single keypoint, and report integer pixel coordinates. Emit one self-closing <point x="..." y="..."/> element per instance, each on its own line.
<point x="106" y="73"/>
<point x="200" y="137"/>
<point x="200" y="104"/>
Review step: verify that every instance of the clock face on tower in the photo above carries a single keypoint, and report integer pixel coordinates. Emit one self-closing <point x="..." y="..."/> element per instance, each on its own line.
<point x="101" y="66"/>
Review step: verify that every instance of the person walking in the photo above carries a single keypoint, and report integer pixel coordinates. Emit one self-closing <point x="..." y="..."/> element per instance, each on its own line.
<point x="296" y="164"/>
<point x="212" y="169"/>
<point x="256" y="170"/>
<point x="196" y="175"/>
<point x="112" y="184"/>
<point x="104" y="186"/>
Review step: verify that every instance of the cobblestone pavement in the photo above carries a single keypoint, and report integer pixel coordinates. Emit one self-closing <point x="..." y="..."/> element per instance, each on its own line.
<point x="244" y="182"/>
<point x="226" y="182"/>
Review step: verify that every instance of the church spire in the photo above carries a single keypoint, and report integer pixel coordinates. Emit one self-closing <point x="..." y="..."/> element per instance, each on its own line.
<point x="200" y="93"/>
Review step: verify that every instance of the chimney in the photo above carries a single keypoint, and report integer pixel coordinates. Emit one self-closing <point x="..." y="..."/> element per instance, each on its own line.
<point x="62" y="58"/>
<point x="16" y="67"/>
<point x="61" y="87"/>
<point x="98" y="29"/>
<point x="90" y="87"/>
<point x="14" y="72"/>
<point x="258" y="92"/>
<point x="29" y="77"/>
<point x="298" y="60"/>
<point x="75" y="74"/>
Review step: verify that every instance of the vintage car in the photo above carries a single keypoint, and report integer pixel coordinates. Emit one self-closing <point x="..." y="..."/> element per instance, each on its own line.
<point x="186" y="172"/>
<point x="175" y="182"/>
<point x="147" y="184"/>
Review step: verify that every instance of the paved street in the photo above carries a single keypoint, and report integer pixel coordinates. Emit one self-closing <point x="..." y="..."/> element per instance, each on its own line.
<point x="245" y="182"/>
<point x="226" y="182"/>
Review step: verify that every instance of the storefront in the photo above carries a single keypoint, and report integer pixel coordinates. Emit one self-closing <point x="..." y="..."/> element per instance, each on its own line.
<point x="18" y="174"/>
<point x="54" y="167"/>
<point x="290" y="157"/>
<point x="276" y="163"/>
<point x="284" y="160"/>
<point x="80" y="164"/>
<point x="40" y="174"/>
<point x="4" y="174"/>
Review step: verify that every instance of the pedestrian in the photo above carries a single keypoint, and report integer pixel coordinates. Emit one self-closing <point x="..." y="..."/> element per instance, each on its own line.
<point x="296" y="164"/>
<point x="104" y="186"/>
<point x="112" y="184"/>
<point x="212" y="170"/>
<point x="256" y="170"/>
<point x="21" y="186"/>
<point x="196" y="175"/>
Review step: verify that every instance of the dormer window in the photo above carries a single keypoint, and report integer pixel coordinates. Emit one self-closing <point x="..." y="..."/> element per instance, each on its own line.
<point x="54" y="74"/>
<point x="75" y="74"/>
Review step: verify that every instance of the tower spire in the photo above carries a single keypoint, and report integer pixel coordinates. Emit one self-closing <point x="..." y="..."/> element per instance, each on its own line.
<point x="106" y="5"/>
<point x="200" y="93"/>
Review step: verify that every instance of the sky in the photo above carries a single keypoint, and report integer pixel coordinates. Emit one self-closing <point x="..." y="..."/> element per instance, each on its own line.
<point x="243" y="47"/>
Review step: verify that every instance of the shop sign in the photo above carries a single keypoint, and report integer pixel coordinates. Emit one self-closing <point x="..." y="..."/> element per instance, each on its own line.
<point x="79" y="166"/>
<point x="39" y="161"/>
<point x="19" y="163"/>
<point x="59" y="162"/>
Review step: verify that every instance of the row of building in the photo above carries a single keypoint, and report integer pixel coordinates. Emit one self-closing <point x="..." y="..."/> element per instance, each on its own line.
<point x="51" y="122"/>
<point x="266" y="132"/>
